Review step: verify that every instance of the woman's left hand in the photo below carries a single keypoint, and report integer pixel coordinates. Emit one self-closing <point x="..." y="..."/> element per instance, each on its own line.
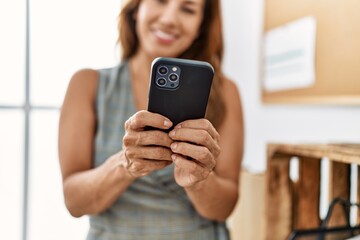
<point x="195" y="150"/>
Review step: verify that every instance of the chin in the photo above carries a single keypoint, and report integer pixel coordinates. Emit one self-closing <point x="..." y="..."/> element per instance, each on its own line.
<point x="165" y="52"/>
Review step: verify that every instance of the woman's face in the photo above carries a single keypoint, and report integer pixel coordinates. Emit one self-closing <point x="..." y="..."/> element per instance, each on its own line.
<point x="168" y="27"/>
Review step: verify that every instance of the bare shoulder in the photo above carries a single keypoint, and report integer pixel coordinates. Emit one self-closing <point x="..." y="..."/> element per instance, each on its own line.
<point x="84" y="83"/>
<point x="233" y="123"/>
<point x="231" y="94"/>
<point x="78" y="105"/>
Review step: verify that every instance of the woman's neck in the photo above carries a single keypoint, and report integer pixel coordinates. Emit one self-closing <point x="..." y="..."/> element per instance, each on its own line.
<point x="140" y="65"/>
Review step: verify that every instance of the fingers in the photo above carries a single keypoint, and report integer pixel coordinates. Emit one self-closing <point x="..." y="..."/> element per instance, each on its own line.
<point x="201" y="154"/>
<point x="146" y="151"/>
<point x="197" y="136"/>
<point x="150" y="153"/>
<point x="142" y="119"/>
<point x="141" y="161"/>
<point x="142" y="167"/>
<point x="200" y="124"/>
<point x="136" y="136"/>
<point x="144" y="138"/>
<point x="187" y="172"/>
<point x="200" y="132"/>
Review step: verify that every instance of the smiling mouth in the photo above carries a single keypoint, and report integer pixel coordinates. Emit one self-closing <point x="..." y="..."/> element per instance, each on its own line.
<point x="164" y="37"/>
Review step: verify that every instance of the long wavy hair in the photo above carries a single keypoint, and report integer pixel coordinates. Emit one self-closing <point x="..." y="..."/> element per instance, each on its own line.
<point x="208" y="46"/>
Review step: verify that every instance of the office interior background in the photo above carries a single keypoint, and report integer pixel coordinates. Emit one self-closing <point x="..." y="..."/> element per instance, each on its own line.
<point x="44" y="42"/>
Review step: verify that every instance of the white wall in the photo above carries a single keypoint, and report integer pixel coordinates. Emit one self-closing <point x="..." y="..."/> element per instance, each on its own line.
<point x="243" y="24"/>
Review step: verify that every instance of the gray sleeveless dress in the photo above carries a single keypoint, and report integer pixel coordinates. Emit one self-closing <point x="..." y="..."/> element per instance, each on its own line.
<point x="154" y="206"/>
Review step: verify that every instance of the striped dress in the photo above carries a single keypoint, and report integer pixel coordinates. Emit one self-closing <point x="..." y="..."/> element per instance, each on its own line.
<point x="153" y="207"/>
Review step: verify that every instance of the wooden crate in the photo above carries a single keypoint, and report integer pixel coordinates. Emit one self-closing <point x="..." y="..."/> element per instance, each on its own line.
<point x="295" y="205"/>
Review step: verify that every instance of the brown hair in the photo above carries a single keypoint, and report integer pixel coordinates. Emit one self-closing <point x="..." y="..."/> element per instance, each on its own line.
<point x="207" y="47"/>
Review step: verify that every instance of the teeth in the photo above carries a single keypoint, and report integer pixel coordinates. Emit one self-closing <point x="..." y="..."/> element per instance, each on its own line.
<point x="164" y="35"/>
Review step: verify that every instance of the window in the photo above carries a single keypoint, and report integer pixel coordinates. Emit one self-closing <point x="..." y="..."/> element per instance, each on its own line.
<point x="43" y="43"/>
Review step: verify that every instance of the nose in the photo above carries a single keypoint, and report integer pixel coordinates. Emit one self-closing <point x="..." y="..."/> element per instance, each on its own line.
<point x="169" y="15"/>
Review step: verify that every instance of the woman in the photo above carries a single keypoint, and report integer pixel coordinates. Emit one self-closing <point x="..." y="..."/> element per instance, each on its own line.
<point x="138" y="184"/>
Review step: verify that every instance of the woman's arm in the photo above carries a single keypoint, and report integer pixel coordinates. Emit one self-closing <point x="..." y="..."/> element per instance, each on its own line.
<point x="89" y="190"/>
<point x="213" y="191"/>
<point x="86" y="190"/>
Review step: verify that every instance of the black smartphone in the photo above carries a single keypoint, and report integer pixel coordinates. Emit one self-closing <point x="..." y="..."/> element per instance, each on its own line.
<point x="179" y="88"/>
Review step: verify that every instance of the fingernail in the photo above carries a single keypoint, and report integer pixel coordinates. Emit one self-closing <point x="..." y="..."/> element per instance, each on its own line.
<point x="173" y="146"/>
<point x="178" y="126"/>
<point x="167" y="123"/>
<point x="172" y="133"/>
<point x="173" y="157"/>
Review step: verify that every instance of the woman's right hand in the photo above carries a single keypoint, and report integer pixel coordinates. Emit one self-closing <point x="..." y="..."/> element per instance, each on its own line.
<point x="146" y="151"/>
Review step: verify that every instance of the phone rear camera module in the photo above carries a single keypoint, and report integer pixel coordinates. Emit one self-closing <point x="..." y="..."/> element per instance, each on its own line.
<point x="163" y="70"/>
<point x="161" y="82"/>
<point x="173" y="77"/>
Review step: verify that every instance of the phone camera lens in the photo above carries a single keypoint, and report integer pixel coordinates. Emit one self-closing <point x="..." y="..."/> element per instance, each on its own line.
<point x="161" y="82"/>
<point x="173" y="77"/>
<point x="163" y="70"/>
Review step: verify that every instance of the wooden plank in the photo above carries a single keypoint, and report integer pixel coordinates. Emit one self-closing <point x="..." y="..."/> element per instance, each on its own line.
<point x="351" y="146"/>
<point x="307" y="196"/>
<point x="278" y="197"/>
<point x="336" y="152"/>
<point x="339" y="187"/>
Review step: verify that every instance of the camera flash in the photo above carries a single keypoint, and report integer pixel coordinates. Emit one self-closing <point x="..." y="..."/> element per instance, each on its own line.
<point x="174" y="69"/>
